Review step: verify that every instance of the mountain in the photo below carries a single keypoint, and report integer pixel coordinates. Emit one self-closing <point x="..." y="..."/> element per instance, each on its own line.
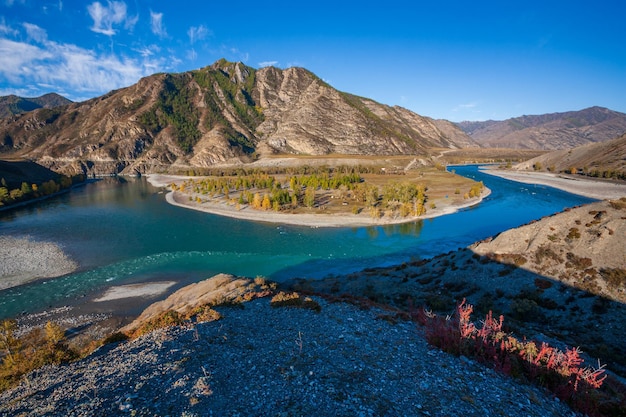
<point x="603" y="157"/>
<point x="549" y="131"/>
<point x="226" y="112"/>
<point x="11" y="105"/>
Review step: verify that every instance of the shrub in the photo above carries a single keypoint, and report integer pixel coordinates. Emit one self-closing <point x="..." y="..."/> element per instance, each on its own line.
<point x="562" y="372"/>
<point x="618" y="204"/>
<point x="576" y="262"/>
<point x="543" y="284"/>
<point x="31" y="351"/>
<point x="615" y="277"/>
<point x="294" y="299"/>
<point x="574" y="233"/>
<point x="544" y="252"/>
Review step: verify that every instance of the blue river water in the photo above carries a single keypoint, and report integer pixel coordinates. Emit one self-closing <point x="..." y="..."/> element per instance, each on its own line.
<point x="122" y="231"/>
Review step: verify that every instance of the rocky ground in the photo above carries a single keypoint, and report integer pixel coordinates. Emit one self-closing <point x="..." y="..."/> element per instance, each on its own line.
<point x="260" y="360"/>
<point x="560" y="279"/>
<point x="24" y="260"/>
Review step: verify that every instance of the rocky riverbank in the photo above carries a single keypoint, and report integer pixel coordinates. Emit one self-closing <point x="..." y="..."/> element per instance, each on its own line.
<point x="24" y="260"/>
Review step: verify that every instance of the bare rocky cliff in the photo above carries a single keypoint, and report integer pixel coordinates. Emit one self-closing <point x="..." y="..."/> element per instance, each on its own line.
<point x="223" y="113"/>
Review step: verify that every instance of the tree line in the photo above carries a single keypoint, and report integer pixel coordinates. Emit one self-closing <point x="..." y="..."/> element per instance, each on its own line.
<point x="30" y="191"/>
<point x="262" y="191"/>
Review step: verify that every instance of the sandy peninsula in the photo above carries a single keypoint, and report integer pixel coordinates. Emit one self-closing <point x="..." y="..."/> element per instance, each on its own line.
<point x="148" y="289"/>
<point x="598" y="189"/>
<point x="314" y="219"/>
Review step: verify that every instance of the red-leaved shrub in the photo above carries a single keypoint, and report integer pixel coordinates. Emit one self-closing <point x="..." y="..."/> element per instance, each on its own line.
<point x="562" y="372"/>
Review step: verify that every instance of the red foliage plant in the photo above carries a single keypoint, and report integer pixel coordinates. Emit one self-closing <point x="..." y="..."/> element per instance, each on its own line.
<point x="563" y="373"/>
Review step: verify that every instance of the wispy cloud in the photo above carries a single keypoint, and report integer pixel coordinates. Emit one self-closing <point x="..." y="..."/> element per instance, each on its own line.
<point x="106" y="16"/>
<point x="6" y="29"/>
<point x="35" y="33"/>
<point x="68" y="67"/>
<point x="156" y="22"/>
<point x="267" y="64"/>
<point x="197" y="33"/>
<point x="467" y="106"/>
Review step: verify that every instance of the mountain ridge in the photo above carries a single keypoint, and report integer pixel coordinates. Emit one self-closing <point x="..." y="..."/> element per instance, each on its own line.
<point x="11" y="105"/>
<point x="550" y="131"/>
<point x="599" y="159"/>
<point x="220" y="114"/>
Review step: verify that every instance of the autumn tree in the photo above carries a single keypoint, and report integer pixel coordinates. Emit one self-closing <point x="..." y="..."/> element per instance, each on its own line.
<point x="309" y="197"/>
<point x="266" y="204"/>
<point x="256" y="201"/>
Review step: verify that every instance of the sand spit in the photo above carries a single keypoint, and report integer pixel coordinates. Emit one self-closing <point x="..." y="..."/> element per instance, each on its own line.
<point x="221" y="208"/>
<point x="148" y="289"/>
<point x="25" y="260"/>
<point x="598" y="189"/>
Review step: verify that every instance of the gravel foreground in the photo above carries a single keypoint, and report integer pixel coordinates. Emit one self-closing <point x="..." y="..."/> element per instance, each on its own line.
<point x="285" y="361"/>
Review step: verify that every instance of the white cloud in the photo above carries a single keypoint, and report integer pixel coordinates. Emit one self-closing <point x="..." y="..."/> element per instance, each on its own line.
<point x="192" y="55"/>
<point x="6" y="29"/>
<point x="197" y="33"/>
<point x="105" y="17"/>
<point x="156" y="21"/>
<point x="16" y="58"/>
<point x="267" y="64"/>
<point x="147" y="51"/>
<point x="35" y="33"/>
<point x="70" y="68"/>
<point x="466" y="106"/>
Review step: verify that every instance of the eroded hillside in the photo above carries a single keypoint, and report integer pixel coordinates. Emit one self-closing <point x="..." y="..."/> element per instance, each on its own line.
<point x="223" y="113"/>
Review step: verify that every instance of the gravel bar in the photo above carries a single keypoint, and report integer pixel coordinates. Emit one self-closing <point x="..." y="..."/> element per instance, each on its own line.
<point x="24" y="260"/>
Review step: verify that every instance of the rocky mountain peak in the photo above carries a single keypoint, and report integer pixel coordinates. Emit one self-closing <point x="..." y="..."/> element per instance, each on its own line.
<point x="223" y="113"/>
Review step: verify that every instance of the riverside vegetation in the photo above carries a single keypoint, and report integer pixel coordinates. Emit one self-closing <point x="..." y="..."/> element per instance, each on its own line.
<point x="379" y="191"/>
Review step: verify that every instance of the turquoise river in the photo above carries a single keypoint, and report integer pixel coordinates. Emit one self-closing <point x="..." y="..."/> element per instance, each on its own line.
<point x="122" y="231"/>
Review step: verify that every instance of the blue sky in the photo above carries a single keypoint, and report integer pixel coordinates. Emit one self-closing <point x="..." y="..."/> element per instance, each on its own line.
<point x="455" y="60"/>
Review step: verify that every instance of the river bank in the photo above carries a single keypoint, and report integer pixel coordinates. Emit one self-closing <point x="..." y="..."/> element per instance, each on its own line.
<point x="25" y="260"/>
<point x="598" y="189"/>
<point x="314" y="219"/>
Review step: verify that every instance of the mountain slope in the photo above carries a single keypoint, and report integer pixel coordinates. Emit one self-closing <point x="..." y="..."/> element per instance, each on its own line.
<point x="226" y="112"/>
<point x="11" y="105"/>
<point x="549" y="131"/>
<point x="603" y="158"/>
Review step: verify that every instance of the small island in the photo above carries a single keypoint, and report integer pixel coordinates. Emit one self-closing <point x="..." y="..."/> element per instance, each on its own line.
<point x="325" y="192"/>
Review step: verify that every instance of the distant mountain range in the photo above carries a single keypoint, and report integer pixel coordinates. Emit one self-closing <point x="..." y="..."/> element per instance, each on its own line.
<point x="11" y="105"/>
<point x="231" y="113"/>
<point x="598" y="159"/>
<point x="548" y="131"/>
